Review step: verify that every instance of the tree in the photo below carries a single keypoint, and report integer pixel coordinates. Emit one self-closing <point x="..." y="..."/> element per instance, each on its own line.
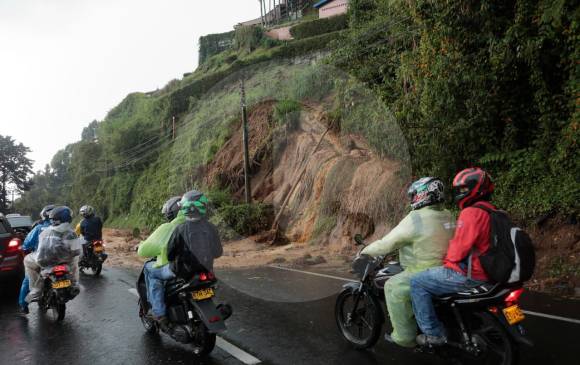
<point x="14" y="168"/>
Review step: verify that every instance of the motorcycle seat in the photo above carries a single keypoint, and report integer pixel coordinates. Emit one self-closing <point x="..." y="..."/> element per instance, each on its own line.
<point x="480" y="291"/>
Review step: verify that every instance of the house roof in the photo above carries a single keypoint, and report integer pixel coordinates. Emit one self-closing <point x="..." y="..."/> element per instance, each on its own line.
<point x="322" y="3"/>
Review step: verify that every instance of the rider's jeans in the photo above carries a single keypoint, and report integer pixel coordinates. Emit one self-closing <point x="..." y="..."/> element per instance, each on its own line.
<point x="155" y="280"/>
<point x="435" y="282"/>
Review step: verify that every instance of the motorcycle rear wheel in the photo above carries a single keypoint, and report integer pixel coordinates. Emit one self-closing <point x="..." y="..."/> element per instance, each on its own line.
<point x="203" y="341"/>
<point x="368" y="314"/>
<point x="498" y="347"/>
<point x="57" y="311"/>
<point x="97" y="269"/>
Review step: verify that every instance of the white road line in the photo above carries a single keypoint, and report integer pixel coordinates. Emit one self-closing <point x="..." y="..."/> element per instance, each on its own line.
<point x="236" y="352"/>
<point x="551" y="316"/>
<point x="537" y="314"/>
<point x="313" y="273"/>
<point x="231" y="349"/>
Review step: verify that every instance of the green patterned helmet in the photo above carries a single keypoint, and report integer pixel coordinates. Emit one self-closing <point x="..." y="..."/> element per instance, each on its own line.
<point x="194" y="203"/>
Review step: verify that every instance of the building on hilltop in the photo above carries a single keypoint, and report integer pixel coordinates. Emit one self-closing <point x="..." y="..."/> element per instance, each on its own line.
<point x="328" y="8"/>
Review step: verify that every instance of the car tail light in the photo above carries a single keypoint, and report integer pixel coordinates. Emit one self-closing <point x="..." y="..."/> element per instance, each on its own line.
<point x="514" y="296"/>
<point x="13" y="245"/>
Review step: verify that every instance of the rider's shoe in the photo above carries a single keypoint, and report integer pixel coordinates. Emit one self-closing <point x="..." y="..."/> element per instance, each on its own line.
<point x="389" y="339"/>
<point x="426" y="340"/>
<point x="164" y="324"/>
<point x="23" y="309"/>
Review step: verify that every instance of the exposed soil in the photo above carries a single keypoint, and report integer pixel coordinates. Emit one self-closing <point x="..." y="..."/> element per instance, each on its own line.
<point x="341" y="188"/>
<point x="122" y="250"/>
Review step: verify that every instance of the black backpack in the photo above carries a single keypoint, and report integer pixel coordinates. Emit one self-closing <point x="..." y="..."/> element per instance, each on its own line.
<point x="511" y="257"/>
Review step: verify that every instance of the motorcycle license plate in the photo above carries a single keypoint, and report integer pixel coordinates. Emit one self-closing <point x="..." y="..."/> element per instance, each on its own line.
<point x="98" y="249"/>
<point x="61" y="284"/>
<point x="513" y="314"/>
<point x="202" y="294"/>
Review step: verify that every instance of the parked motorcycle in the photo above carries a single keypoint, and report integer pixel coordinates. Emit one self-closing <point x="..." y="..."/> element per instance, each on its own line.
<point x="484" y="325"/>
<point x="93" y="257"/>
<point x="193" y="316"/>
<point x="57" y="291"/>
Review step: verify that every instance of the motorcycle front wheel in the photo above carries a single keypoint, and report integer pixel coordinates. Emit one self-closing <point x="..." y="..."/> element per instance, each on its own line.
<point x="360" y="326"/>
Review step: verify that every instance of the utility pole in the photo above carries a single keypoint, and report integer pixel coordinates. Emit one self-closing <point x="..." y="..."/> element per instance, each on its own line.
<point x="245" y="138"/>
<point x="173" y="120"/>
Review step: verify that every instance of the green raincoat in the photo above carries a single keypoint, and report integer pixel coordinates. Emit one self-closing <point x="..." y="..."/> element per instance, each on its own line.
<point x="421" y="238"/>
<point x="156" y="243"/>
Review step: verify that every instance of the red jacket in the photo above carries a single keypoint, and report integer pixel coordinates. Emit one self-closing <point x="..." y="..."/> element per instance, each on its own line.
<point x="473" y="230"/>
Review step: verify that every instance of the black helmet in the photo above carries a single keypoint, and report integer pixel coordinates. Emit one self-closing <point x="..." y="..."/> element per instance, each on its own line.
<point x="61" y="214"/>
<point x="45" y="212"/>
<point x="426" y="191"/>
<point x="171" y="208"/>
<point x="87" y="211"/>
<point x="193" y="204"/>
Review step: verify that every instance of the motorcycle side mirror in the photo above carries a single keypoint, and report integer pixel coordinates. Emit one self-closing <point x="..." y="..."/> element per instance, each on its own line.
<point x="358" y="238"/>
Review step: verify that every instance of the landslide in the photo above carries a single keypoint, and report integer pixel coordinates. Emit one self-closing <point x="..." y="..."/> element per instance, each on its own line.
<point x="342" y="187"/>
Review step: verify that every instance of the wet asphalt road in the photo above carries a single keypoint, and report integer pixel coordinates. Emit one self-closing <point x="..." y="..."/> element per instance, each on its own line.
<point x="280" y="317"/>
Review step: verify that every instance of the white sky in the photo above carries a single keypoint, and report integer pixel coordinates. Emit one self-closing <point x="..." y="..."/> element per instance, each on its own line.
<point x="64" y="63"/>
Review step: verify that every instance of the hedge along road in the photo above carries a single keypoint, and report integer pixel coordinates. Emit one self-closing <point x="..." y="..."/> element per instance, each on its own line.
<point x="279" y="318"/>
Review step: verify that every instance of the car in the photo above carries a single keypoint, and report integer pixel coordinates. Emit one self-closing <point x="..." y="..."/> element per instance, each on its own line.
<point x="11" y="255"/>
<point x="21" y="224"/>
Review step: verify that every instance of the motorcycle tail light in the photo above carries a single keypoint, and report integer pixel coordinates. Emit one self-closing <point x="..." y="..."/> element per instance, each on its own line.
<point x="13" y="245"/>
<point x="203" y="276"/>
<point x="514" y="296"/>
<point x="214" y="319"/>
<point x="59" y="270"/>
<point x="210" y="275"/>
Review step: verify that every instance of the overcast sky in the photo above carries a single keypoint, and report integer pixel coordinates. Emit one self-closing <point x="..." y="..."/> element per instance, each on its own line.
<point x="64" y="63"/>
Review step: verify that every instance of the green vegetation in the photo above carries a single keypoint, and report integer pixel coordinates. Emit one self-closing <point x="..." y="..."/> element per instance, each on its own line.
<point x="490" y="83"/>
<point x="14" y="169"/>
<point x="468" y="83"/>
<point x="212" y="44"/>
<point x="316" y="27"/>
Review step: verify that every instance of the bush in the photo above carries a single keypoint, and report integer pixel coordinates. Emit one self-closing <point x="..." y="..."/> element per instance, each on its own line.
<point x="247" y="219"/>
<point x="248" y="38"/>
<point x="319" y="26"/>
<point x="213" y="44"/>
<point x="287" y="112"/>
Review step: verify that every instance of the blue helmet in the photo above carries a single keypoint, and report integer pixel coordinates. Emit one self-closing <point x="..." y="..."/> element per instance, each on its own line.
<point x="61" y="214"/>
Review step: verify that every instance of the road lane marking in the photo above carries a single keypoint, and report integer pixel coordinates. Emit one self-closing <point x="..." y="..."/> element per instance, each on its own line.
<point x="551" y="316"/>
<point x="231" y="349"/>
<point x="531" y="313"/>
<point x="313" y="273"/>
<point x="236" y="352"/>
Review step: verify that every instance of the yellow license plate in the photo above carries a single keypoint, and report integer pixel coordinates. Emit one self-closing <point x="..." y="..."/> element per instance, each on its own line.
<point x="513" y="314"/>
<point x="98" y="249"/>
<point x="61" y="284"/>
<point x="202" y="294"/>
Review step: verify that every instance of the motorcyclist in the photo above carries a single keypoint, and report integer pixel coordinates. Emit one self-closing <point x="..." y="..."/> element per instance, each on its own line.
<point x="421" y="238"/>
<point x="156" y="246"/>
<point x="57" y="244"/>
<point x="461" y="268"/>
<point x="30" y="244"/>
<point x="91" y="226"/>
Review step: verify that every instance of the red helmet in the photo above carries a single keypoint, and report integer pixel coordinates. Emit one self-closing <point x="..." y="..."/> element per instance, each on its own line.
<point x="471" y="185"/>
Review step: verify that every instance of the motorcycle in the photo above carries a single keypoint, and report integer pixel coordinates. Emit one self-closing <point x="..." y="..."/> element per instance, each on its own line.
<point x="484" y="324"/>
<point x="57" y="291"/>
<point x="194" y="318"/>
<point x="93" y="257"/>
